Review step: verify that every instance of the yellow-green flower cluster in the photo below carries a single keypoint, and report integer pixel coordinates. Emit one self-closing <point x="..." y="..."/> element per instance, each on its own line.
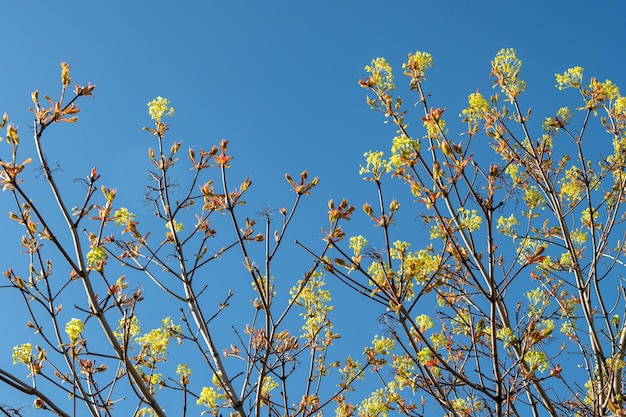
<point x="379" y="275"/>
<point x="437" y="232"/>
<point x="568" y="329"/>
<point x="536" y="360"/>
<point x="618" y="156"/>
<point x="123" y="216"/>
<point x="129" y="327"/>
<point x="466" y="406"/>
<point x="156" y="342"/>
<point x="578" y="237"/>
<point x="435" y="129"/>
<point x="505" y="68"/>
<point x="73" y="328"/>
<point x="315" y="299"/>
<point x="513" y="171"/>
<point x="208" y="397"/>
<point x="545" y="327"/>
<point x="424" y="355"/>
<point x="23" y="353"/>
<point x="469" y="219"/>
<point x="572" y="78"/>
<point x="146" y="412"/>
<point x="381" y="74"/>
<point x="404" y="367"/>
<point x="154" y="379"/>
<point x="505" y="225"/>
<point x="538" y="301"/>
<point x="383" y="345"/>
<point x="571" y="185"/>
<point x="420" y="265"/>
<point x="357" y="243"/>
<point x="399" y="249"/>
<point x="417" y="64"/>
<point x="603" y="91"/>
<point x="183" y="371"/>
<point x="461" y="323"/>
<point x="566" y="261"/>
<point x="423" y="323"/>
<point x="563" y="117"/>
<point x="178" y="227"/>
<point x="506" y="335"/>
<point x="376" y="405"/>
<point x="375" y="165"/>
<point x="529" y="246"/>
<point x="477" y="107"/>
<point x="268" y="385"/>
<point x="585" y="218"/>
<point x="438" y="340"/>
<point x="159" y="108"/>
<point x="96" y="257"/>
<point x="619" y="105"/>
<point x="403" y="151"/>
<point x="533" y="198"/>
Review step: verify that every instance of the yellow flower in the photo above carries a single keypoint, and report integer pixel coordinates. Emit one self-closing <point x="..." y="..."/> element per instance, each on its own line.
<point x="466" y="406"/>
<point x="156" y="341"/>
<point x="357" y="243"/>
<point x="129" y="325"/>
<point x="381" y="74"/>
<point x="506" y="335"/>
<point x="183" y="368"/>
<point x="477" y="107"/>
<point x="603" y="91"/>
<point x="586" y="220"/>
<point x="383" y="345"/>
<point x="434" y="127"/>
<point x="417" y="64"/>
<point x="571" y="78"/>
<point x="377" y="404"/>
<point x="178" y="227"/>
<point x="73" y="328"/>
<point x="571" y="185"/>
<point x="424" y="355"/>
<point x="469" y="219"/>
<point x="403" y="150"/>
<point x="146" y="412"/>
<point x="619" y="105"/>
<point x="159" y="107"/>
<point x="208" y="397"/>
<point x="533" y="198"/>
<point x="123" y="216"/>
<point x="23" y="353"/>
<point x="423" y="322"/>
<point x="505" y="68"/>
<point x="505" y="225"/>
<point x="375" y="165"/>
<point x="536" y="360"/>
<point x="315" y="300"/>
<point x="438" y="340"/>
<point x="96" y="257"/>
<point x="538" y="301"/>
<point x="183" y="371"/>
<point x="268" y="385"/>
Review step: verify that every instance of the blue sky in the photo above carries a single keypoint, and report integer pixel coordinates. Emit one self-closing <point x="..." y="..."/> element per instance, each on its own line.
<point x="278" y="80"/>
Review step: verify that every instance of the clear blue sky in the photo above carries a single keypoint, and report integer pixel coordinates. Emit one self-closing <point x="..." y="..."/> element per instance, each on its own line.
<point x="277" y="79"/>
